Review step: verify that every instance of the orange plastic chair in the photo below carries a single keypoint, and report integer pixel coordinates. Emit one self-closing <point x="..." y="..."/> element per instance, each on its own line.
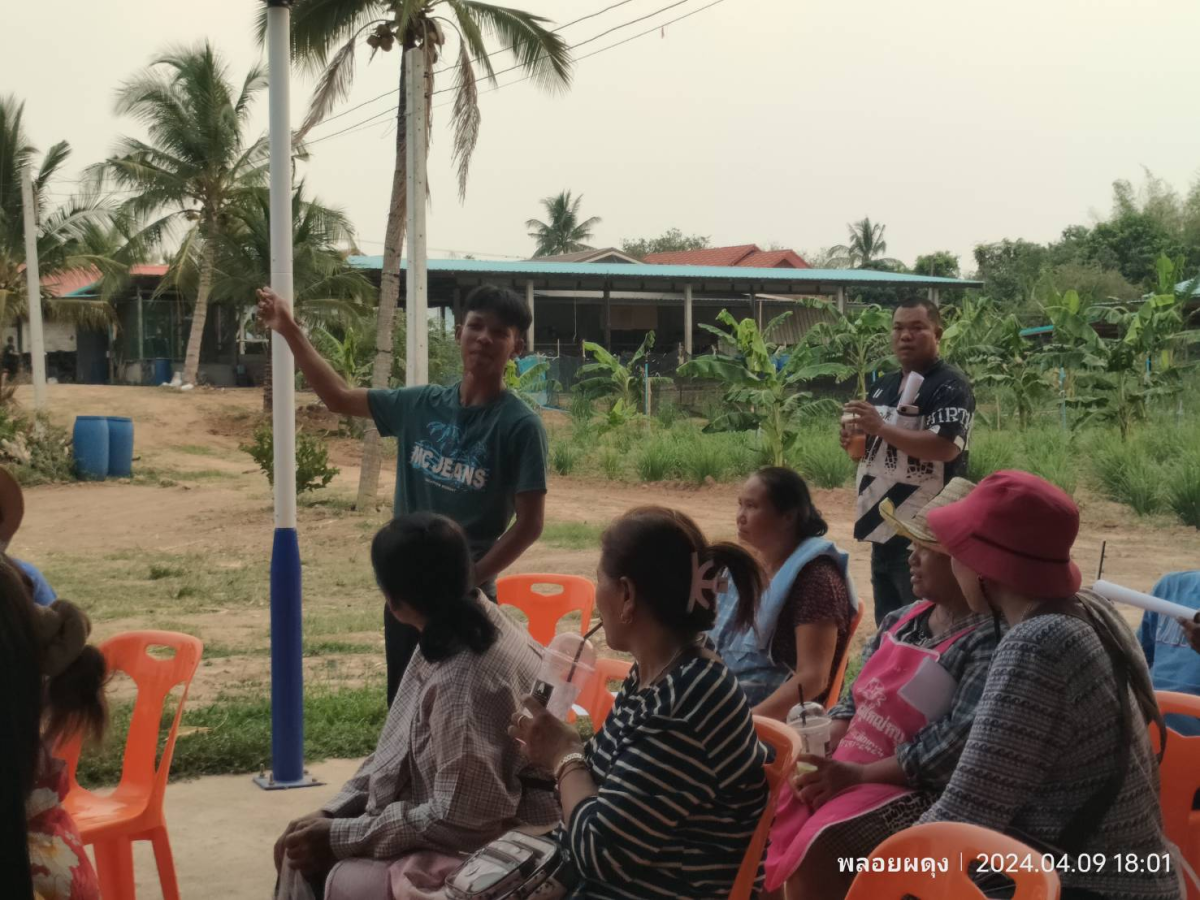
<point x="839" y="678"/>
<point x="1179" y="779"/>
<point x="545" y="610"/>
<point x="134" y="811"/>
<point x="946" y="841"/>
<point x="786" y="744"/>
<point x="596" y="699"/>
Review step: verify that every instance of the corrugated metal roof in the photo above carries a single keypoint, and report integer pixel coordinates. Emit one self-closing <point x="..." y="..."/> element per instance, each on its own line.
<point x="617" y="271"/>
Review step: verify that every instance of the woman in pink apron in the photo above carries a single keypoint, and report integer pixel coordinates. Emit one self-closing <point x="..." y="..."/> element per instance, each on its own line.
<point x="898" y="735"/>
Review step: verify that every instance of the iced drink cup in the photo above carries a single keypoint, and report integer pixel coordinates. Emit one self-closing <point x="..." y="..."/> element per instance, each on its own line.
<point x="567" y="664"/>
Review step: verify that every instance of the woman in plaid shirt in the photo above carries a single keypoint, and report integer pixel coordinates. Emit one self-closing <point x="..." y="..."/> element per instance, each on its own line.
<point x="444" y="778"/>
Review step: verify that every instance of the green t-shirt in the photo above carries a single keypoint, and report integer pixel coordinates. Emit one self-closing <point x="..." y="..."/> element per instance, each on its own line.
<point x="464" y="462"/>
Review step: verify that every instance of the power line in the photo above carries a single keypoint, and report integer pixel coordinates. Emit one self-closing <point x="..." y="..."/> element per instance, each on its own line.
<point x="656" y="28"/>
<point x="347" y="112"/>
<point x="602" y="49"/>
<point x="591" y="39"/>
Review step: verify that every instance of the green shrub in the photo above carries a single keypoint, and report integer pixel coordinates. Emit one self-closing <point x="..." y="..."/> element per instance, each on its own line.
<point x="703" y="459"/>
<point x="741" y="455"/>
<point x="312" y="459"/>
<point x="1183" y="491"/>
<point x="581" y="409"/>
<point x="36" y="451"/>
<point x="657" y="460"/>
<point x="1127" y="476"/>
<point x="669" y="413"/>
<point x="610" y="464"/>
<point x="818" y="456"/>
<point x="564" y="456"/>
<point x="990" y="451"/>
<point x="1050" y="454"/>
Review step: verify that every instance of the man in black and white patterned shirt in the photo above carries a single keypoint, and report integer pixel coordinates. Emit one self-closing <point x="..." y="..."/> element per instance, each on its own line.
<point x="909" y="466"/>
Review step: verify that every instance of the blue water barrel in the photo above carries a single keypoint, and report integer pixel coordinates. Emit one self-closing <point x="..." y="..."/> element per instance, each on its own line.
<point x="162" y="371"/>
<point x="91" y="447"/>
<point x="120" y="447"/>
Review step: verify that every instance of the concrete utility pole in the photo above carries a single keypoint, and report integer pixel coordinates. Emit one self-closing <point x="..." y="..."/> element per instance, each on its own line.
<point x="33" y="284"/>
<point x="416" y="301"/>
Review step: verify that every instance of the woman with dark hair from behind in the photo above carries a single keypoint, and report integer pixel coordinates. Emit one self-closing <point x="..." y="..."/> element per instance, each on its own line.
<point x="793" y="641"/>
<point x="443" y="780"/>
<point x="664" y="801"/>
<point x="20" y="718"/>
<point x="53" y="689"/>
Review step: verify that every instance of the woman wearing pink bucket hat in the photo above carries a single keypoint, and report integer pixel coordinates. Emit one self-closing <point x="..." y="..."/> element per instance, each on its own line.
<point x="1059" y="754"/>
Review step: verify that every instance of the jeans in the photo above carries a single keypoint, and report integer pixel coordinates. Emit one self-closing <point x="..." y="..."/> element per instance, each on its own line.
<point x="890" y="577"/>
<point x="400" y="640"/>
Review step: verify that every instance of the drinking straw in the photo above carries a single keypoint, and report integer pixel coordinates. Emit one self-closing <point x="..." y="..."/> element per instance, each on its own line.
<point x="1100" y="568"/>
<point x="803" y="711"/>
<point x="579" y="650"/>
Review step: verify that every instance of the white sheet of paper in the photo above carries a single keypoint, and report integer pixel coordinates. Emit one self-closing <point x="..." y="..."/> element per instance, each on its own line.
<point x="1130" y="597"/>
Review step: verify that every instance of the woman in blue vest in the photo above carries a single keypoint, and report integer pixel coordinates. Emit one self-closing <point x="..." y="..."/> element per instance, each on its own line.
<point x="801" y="628"/>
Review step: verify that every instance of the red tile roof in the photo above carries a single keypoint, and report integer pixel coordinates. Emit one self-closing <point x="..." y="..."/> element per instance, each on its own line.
<point x="65" y="283"/>
<point x="741" y="255"/>
<point x="775" y="259"/>
<point x="712" y="256"/>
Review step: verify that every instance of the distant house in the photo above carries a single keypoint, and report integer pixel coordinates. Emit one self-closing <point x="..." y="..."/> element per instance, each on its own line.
<point x="742" y="255"/>
<point x="150" y="324"/>
<point x="602" y="255"/>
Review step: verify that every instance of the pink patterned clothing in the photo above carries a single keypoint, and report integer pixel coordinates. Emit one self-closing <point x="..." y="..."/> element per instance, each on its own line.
<point x="61" y="868"/>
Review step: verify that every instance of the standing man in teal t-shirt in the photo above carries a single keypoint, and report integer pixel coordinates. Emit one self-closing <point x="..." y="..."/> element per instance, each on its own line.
<point x="472" y="451"/>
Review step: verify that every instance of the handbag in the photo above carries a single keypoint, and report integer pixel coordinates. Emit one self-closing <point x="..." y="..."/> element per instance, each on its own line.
<point x="514" y="867"/>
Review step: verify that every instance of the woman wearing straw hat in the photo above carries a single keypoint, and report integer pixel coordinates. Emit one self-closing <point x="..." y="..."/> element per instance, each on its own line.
<point x="1059" y="754"/>
<point x="898" y="736"/>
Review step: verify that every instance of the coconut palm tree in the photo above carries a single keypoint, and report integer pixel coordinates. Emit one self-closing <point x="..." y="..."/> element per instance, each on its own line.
<point x="562" y="232"/>
<point x="867" y="248"/>
<point x="327" y="36"/>
<point x="195" y="167"/>
<point x="327" y="291"/>
<point x="71" y="235"/>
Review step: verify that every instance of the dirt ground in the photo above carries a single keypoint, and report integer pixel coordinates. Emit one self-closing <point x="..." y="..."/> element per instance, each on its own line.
<point x="186" y="545"/>
<point x="204" y="501"/>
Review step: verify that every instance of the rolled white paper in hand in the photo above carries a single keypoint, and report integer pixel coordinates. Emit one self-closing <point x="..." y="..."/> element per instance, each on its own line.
<point x="912" y="384"/>
<point x="1118" y="594"/>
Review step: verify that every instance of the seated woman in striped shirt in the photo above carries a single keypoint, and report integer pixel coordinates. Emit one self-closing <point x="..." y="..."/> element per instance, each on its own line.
<point x="664" y="800"/>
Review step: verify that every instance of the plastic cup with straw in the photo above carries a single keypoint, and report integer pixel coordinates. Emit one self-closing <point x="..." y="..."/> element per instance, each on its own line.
<point x="567" y="664"/>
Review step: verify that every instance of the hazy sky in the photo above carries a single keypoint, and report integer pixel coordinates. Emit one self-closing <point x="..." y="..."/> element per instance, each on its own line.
<point x="952" y="121"/>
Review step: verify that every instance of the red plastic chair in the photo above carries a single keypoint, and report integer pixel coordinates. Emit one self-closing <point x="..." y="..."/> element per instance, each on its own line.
<point x="786" y="744"/>
<point x="544" y="610"/>
<point x="596" y="699"/>
<point x="839" y="678"/>
<point x="949" y="841"/>
<point x="1179" y="779"/>
<point x="134" y="811"/>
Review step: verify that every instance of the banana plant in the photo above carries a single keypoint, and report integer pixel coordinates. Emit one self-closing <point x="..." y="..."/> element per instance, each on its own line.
<point x="1143" y="363"/>
<point x="860" y="340"/>
<point x="608" y="377"/>
<point x="526" y="384"/>
<point x="1012" y="367"/>
<point x="1075" y="345"/>
<point x="970" y="337"/>
<point x="763" y="392"/>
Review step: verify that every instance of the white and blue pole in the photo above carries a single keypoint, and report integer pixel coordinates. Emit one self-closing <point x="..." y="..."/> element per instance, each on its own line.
<point x="287" y="661"/>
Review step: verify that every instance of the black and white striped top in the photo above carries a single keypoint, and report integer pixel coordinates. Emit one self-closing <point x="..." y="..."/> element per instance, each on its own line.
<point x="681" y="789"/>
